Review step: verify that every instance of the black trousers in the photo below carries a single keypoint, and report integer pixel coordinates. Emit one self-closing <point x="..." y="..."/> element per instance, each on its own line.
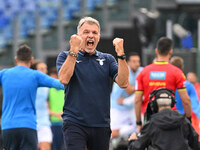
<point x="20" y="139"/>
<point x="58" y="142"/>
<point x="78" y="137"/>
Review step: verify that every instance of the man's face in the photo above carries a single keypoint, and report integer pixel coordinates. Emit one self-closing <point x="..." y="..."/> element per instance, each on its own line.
<point x="192" y="77"/>
<point x="90" y="35"/>
<point x="134" y="63"/>
<point x="42" y="67"/>
<point x="54" y="75"/>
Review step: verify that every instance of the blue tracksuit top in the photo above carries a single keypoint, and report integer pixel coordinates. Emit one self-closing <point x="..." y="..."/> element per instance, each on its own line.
<point x="193" y="98"/>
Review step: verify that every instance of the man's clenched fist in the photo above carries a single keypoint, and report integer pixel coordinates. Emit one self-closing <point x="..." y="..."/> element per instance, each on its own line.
<point x="75" y="43"/>
<point x="119" y="43"/>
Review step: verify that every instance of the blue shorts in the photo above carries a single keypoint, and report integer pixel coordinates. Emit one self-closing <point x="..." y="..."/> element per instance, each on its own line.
<point x="78" y="137"/>
<point x="20" y="139"/>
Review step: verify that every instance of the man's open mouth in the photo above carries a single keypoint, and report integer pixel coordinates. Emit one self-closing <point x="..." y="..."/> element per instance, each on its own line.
<point x="90" y="43"/>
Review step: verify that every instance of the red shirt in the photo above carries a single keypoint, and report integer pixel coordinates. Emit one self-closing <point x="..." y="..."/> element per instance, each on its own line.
<point x="158" y="75"/>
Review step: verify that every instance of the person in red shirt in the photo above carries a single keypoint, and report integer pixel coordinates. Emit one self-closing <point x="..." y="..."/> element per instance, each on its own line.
<point x="160" y="74"/>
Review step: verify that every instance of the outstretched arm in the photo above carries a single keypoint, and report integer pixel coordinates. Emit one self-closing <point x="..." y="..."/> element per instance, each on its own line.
<point x="45" y="80"/>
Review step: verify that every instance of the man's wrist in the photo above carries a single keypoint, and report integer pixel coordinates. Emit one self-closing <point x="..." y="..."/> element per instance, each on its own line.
<point x="189" y="118"/>
<point x="74" y="49"/>
<point x="120" y="53"/>
<point x="72" y="54"/>
<point x="122" y="56"/>
<point x="138" y="123"/>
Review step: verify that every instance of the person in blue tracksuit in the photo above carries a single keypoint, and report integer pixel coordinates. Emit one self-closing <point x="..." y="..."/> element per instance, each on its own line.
<point x="178" y="62"/>
<point x="19" y="84"/>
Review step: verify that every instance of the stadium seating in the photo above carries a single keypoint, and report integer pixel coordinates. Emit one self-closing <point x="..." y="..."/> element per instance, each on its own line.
<point x="24" y="14"/>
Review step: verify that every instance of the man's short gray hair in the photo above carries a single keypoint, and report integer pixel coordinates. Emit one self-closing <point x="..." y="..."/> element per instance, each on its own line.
<point x="164" y="102"/>
<point x="88" y="20"/>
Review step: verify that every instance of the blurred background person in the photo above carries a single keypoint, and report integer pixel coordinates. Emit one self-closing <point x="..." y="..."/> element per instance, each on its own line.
<point x="123" y="121"/>
<point x="178" y="62"/>
<point x="192" y="77"/>
<point x="56" y="102"/>
<point x="167" y="129"/>
<point x="43" y="123"/>
<point x="19" y="86"/>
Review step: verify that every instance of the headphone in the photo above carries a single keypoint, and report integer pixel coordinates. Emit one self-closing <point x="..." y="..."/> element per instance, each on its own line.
<point x="154" y="95"/>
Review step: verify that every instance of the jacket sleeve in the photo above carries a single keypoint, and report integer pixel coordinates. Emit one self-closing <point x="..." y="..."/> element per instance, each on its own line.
<point x="143" y="140"/>
<point x="192" y="137"/>
<point x="60" y="60"/>
<point x="45" y="80"/>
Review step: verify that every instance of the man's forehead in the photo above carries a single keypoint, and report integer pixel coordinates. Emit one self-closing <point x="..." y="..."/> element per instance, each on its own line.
<point x="87" y="26"/>
<point x="135" y="57"/>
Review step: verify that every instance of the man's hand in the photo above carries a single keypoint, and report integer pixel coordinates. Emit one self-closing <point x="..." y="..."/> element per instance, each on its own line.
<point x="118" y="43"/>
<point x="133" y="136"/>
<point x="120" y="100"/>
<point x="55" y="114"/>
<point x="139" y="128"/>
<point x="130" y="89"/>
<point x="75" y="43"/>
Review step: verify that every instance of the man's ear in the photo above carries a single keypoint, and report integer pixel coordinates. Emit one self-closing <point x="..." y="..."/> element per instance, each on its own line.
<point x="16" y="60"/>
<point x="32" y="60"/>
<point x="171" y="52"/>
<point x="99" y="37"/>
<point x="156" y="51"/>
